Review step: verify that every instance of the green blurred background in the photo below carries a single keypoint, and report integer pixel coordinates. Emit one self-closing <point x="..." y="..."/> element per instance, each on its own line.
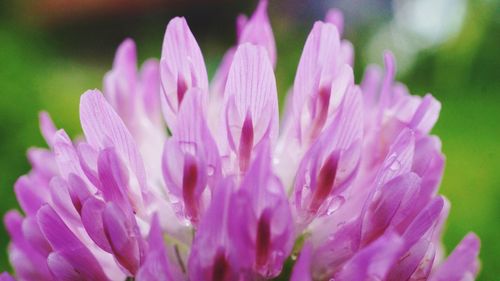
<point x="50" y="52"/>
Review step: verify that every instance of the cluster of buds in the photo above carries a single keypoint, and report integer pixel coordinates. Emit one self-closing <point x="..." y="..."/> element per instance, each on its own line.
<point x="176" y="179"/>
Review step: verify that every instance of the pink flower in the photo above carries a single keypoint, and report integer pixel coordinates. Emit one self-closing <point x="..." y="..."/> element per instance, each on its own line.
<point x="345" y="190"/>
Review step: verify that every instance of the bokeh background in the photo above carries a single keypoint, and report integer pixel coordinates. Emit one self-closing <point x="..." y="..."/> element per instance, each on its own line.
<point x="51" y="51"/>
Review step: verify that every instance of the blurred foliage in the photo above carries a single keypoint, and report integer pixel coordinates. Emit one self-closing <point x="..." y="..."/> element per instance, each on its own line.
<point x="49" y="70"/>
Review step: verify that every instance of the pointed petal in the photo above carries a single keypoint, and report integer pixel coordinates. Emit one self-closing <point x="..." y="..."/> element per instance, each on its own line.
<point x="61" y="201"/>
<point x="114" y="178"/>
<point x="91" y="214"/>
<point x="208" y="259"/>
<point x="47" y="127"/>
<point x="335" y="17"/>
<point x="193" y="134"/>
<point x="68" y="246"/>
<point x="374" y="261"/>
<point x="251" y="91"/>
<point x="103" y="128"/>
<point x="426" y="114"/>
<point x="156" y="266"/>
<point x="181" y="67"/>
<point x="262" y="225"/>
<point x="339" y="147"/>
<point x="120" y="82"/>
<point x="257" y="30"/>
<point x="150" y="89"/>
<point x="30" y="197"/>
<point x="399" y="160"/>
<point x="388" y="205"/>
<point x="424" y="221"/>
<point x="318" y="64"/>
<point x="123" y="236"/>
<point x="33" y="235"/>
<point x="66" y="156"/>
<point x="462" y="264"/>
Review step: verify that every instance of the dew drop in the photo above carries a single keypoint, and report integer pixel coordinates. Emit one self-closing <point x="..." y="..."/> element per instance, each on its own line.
<point x="210" y="170"/>
<point x="335" y="204"/>
<point x="396" y="165"/>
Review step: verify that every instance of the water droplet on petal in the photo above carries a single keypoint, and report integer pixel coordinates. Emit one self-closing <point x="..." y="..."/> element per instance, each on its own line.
<point x="396" y="165"/>
<point x="210" y="170"/>
<point x="335" y="204"/>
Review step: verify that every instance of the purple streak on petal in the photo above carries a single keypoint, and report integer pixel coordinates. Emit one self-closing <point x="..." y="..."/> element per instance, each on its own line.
<point x="261" y="227"/>
<point x="341" y="141"/>
<point x="302" y="268"/>
<point x="193" y="134"/>
<point x="322" y="65"/>
<point x="462" y="264"/>
<point x="325" y="181"/>
<point x="191" y="188"/>
<point x="251" y="93"/>
<point x="181" y="64"/>
<point x="246" y="143"/>
<point x="208" y="260"/>
<point x="191" y="160"/>
<point x="68" y="247"/>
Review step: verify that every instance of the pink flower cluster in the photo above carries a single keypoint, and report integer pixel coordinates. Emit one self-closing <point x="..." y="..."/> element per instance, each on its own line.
<point x="176" y="179"/>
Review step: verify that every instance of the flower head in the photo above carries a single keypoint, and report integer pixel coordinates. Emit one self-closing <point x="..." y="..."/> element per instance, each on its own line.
<point x="346" y="189"/>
